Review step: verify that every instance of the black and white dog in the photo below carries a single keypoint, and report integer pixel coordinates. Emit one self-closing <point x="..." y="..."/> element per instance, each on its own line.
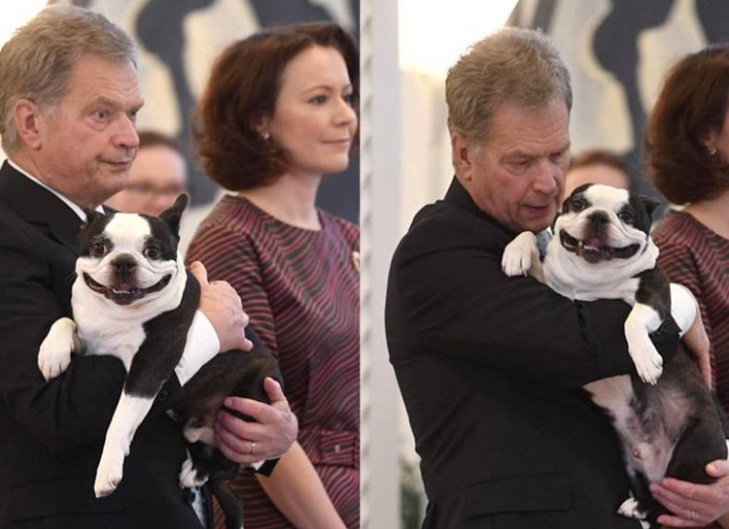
<point x="663" y="414"/>
<point x="133" y="299"/>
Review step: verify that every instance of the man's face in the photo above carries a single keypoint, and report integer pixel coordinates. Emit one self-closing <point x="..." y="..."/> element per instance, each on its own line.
<point x="87" y="143"/>
<point x="517" y="174"/>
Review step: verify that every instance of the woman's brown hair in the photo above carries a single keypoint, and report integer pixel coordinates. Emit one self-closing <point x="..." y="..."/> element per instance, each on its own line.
<point x="692" y="104"/>
<point x="244" y="84"/>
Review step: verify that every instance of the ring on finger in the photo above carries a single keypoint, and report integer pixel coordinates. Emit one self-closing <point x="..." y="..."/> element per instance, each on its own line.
<point x="692" y="514"/>
<point x="253" y="448"/>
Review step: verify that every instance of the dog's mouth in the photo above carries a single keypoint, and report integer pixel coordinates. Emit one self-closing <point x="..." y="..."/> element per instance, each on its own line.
<point x="124" y="294"/>
<point x="594" y="249"/>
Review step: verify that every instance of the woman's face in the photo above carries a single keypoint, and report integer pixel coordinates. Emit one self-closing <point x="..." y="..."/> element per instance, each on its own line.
<point x="313" y="119"/>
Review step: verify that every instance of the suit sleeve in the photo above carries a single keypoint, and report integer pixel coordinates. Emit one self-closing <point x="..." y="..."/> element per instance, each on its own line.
<point x="75" y="408"/>
<point x="455" y="300"/>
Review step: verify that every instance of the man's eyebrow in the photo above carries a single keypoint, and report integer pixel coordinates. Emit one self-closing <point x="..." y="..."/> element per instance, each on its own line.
<point x="107" y="102"/>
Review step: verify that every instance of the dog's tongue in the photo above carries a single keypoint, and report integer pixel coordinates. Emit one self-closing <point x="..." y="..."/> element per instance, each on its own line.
<point x="594" y="241"/>
<point x="124" y="286"/>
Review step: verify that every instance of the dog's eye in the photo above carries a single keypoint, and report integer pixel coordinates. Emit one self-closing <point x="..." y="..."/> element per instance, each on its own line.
<point x="99" y="249"/>
<point x="626" y="216"/>
<point x="152" y="252"/>
<point x="578" y="204"/>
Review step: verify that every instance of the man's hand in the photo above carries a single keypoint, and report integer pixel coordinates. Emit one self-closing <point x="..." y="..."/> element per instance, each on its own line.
<point x="220" y="304"/>
<point x="695" y="505"/>
<point x="272" y="434"/>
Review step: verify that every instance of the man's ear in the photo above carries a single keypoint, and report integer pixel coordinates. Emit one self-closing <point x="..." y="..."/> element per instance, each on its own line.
<point x="27" y="118"/>
<point x="462" y="154"/>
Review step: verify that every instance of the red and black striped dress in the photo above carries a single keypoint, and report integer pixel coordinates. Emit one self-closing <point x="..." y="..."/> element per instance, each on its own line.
<point x="693" y="255"/>
<point x="301" y="290"/>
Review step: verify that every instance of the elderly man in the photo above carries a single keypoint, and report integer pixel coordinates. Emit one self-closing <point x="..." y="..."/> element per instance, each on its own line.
<point x="491" y="367"/>
<point x="69" y="97"/>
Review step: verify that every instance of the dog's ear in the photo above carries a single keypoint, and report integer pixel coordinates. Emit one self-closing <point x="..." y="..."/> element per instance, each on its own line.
<point x="173" y="214"/>
<point x="650" y="204"/>
<point x="91" y="216"/>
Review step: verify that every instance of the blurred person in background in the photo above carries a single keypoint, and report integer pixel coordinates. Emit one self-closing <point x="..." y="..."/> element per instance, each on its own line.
<point x="157" y="176"/>
<point x="597" y="166"/>
<point x="278" y="114"/>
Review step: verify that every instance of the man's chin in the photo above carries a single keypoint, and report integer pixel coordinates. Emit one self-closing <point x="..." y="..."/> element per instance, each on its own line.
<point x="537" y="223"/>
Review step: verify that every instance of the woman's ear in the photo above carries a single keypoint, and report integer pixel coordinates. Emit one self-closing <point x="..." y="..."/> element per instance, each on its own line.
<point x="710" y="139"/>
<point x="260" y="122"/>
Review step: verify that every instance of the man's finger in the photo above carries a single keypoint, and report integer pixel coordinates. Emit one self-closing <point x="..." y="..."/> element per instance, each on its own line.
<point x="718" y="468"/>
<point x="198" y="270"/>
<point x="273" y="390"/>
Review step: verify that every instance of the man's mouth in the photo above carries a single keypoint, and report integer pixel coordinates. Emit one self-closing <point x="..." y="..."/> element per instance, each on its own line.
<point x="124" y="293"/>
<point x="594" y="249"/>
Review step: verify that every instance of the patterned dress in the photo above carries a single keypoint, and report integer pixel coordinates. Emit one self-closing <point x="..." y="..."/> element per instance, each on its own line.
<point x="301" y="290"/>
<point x="695" y="256"/>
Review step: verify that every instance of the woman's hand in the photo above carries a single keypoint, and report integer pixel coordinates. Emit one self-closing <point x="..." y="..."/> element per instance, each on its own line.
<point x="686" y="313"/>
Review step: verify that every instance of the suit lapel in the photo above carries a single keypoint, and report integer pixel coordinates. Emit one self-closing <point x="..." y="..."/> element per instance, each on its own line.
<point x="39" y="207"/>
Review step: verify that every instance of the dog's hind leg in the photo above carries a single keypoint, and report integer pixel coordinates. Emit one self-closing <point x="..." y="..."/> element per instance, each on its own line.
<point x="641" y="505"/>
<point x="230" y="504"/>
<point x="129" y="414"/>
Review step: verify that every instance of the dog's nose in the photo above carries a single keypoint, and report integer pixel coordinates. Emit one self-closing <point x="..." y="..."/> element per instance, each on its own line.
<point x="598" y="219"/>
<point x="124" y="265"/>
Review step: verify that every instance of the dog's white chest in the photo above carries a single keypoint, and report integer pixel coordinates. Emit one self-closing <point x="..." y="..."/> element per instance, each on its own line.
<point x="119" y="339"/>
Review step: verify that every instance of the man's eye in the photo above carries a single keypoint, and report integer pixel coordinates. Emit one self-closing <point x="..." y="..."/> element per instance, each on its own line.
<point x="102" y="114"/>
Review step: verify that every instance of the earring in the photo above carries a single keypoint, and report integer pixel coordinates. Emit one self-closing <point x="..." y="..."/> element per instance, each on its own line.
<point x="712" y="150"/>
<point x="265" y="136"/>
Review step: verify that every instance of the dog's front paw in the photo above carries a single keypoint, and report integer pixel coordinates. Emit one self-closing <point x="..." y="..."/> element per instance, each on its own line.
<point x="109" y="473"/>
<point x="649" y="365"/>
<point x="642" y="320"/>
<point x="54" y="355"/>
<point x="190" y="476"/>
<point x="518" y="254"/>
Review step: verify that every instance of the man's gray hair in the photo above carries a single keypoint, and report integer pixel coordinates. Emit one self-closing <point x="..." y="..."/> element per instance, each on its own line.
<point x="513" y="65"/>
<point x="36" y="62"/>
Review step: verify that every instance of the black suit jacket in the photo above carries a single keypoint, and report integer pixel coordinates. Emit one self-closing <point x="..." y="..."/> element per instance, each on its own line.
<point x="490" y="369"/>
<point x="51" y="434"/>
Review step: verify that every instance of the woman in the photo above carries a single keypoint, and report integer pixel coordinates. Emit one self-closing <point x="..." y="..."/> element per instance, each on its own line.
<point x="279" y="113"/>
<point x="688" y="146"/>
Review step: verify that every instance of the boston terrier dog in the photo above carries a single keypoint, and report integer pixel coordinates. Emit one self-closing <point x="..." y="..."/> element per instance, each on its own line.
<point x="133" y="299"/>
<point x="664" y="415"/>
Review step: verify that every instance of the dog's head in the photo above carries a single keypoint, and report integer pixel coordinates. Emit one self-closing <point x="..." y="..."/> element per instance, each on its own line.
<point x="602" y="223"/>
<point x="130" y="258"/>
